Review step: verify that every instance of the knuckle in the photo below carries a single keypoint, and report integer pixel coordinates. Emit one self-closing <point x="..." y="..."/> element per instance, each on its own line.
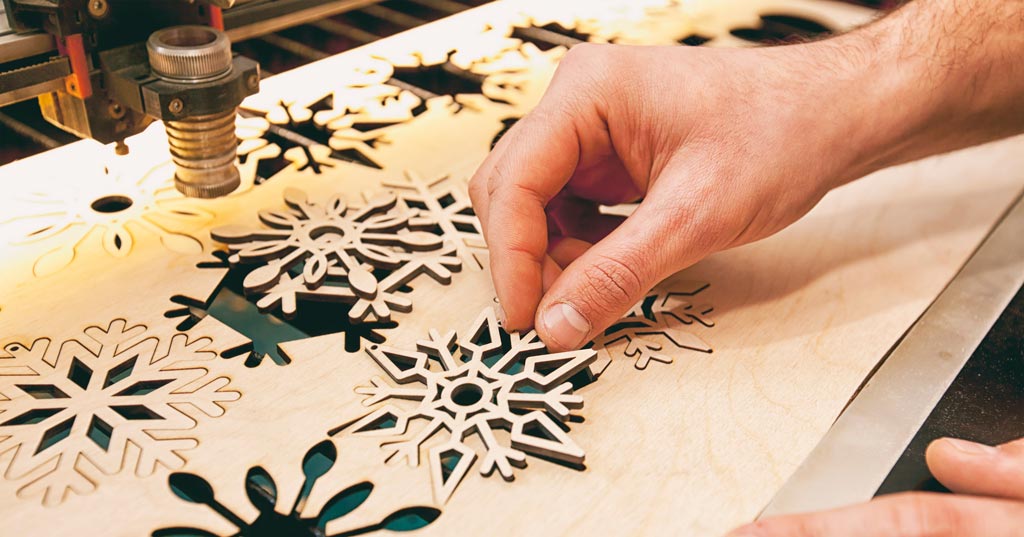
<point x="612" y="283"/>
<point x="583" y="65"/>
<point x="585" y="54"/>
<point x="920" y="514"/>
<point x="502" y="178"/>
<point x="477" y="189"/>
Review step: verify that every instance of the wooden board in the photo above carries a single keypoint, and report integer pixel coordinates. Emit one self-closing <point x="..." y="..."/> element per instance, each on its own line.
<point x="136" y="371"/>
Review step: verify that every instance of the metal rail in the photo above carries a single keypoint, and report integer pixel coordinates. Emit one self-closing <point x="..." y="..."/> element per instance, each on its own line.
<point x="863" y="445"/>
<point x="444" y="6"/>
<point x="25" y="131"/>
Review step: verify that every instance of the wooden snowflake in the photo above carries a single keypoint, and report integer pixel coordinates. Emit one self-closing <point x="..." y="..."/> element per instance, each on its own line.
<point x="447" y="204"/>
<point x="74" y="411"/>
<point x="474" y="385"/>
<point x="656" y="325"/>
<point x="363" y="256"/>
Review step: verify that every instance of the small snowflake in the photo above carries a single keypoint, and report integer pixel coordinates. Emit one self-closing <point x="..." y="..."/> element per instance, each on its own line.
<point x="71" y="411"/>
<point x="303" y="142"/>
<point x="262" y="492"/>
<point x="475" y="385"/>
<point x="660" y="319"/>
<point x="447" y="204"/>
<point x="363" y="256"/>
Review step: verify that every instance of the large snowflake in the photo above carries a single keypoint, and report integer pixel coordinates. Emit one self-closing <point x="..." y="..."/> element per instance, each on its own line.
<point x="101" y="404"/>
<point x="485" y="381"/>
<point x="363" y="256"/>
<point x="661" y="321"/>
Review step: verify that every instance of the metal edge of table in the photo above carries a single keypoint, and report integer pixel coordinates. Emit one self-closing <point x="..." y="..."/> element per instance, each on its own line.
<point x="866" y="441"/>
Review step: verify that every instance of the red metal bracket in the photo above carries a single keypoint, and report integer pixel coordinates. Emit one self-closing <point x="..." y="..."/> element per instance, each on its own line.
<point x="78" y="82"/>
<point x="217" y="18"/>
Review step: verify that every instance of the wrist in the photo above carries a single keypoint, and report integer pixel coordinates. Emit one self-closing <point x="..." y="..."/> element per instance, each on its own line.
<point x="926" y="80"/>
<point x="878" y="109"/>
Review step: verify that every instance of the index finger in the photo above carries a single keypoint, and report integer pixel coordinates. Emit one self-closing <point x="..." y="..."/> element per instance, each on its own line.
<point x="539" y="156"/>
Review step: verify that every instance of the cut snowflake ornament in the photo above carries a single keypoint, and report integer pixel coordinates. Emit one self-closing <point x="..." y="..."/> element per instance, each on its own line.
<point x="362" y="256"/>
<point x="102" y="404"/>
<point x="474" y="385"/>
<point x="657" y="323"/>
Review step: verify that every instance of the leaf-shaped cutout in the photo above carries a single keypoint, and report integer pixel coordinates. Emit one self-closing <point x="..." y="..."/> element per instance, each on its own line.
<point x="264" y="250"/>
<point x="381" y="202"/>
<point x="117" y="241"/>
<point x="261" y="489"/>
<point x="386" y="223"/>
<point x="378" y="256"/>
<point x="43" y="232"/>
<point x="278" y="219"/>
<point x="421" y="241"/>
<point x="183" y="532"/>
<point x="362" y="282"/>
<point x="262" y="278"/>
<point x="344" y="503"/>
<point x="54" y="260"/>
<point x="411" y="518"/>
<point x="319" y="459"/>
<point x="191" y="488"/>
<point x="190" y="213"/>
<point x="181" y="243"/>
<point x="336" y="205"/>
<point x="295" y="198"/>
<point x="315" y="270"/>
<point x="230" y="234"/>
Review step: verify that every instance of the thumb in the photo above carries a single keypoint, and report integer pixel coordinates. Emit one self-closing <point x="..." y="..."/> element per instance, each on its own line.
<point x="603" y="283"/>
<point x="970" y="468"/>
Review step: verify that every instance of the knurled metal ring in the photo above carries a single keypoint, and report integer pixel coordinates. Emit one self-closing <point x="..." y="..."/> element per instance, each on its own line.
<point x="189" y="53"/>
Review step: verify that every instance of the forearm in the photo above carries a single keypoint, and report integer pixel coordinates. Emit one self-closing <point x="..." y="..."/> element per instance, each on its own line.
<point x="935" y="76"/>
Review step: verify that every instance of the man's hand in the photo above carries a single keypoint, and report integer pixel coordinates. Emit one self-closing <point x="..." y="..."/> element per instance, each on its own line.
<point x="723" y="147"/>
<point x="717" y="143"/>
<point x="990" y="501"/>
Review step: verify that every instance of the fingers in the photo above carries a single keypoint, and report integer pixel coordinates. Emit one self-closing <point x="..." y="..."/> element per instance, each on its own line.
<point x="528" y="167"/>
<point x="970" y="468"/>
<point x="565" y="250"/>
<point x="902" y="515"/>
<point x="606" y="279"/>
<point x="538" y="158"/>
<point x="574" y="217"/>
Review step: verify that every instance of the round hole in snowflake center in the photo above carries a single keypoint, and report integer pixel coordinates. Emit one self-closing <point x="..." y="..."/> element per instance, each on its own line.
<point x="111" y="204"/>
<point x="328" y="232"/>
<point x="467" y="395"/>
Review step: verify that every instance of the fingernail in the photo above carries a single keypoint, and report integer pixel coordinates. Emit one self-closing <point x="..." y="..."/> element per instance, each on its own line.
<point x="970" y="448"/>
<point x="565" y="325"/>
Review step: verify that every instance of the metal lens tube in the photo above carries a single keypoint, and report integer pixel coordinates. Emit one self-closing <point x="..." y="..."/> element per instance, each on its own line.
<point x="203" y="147"/>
